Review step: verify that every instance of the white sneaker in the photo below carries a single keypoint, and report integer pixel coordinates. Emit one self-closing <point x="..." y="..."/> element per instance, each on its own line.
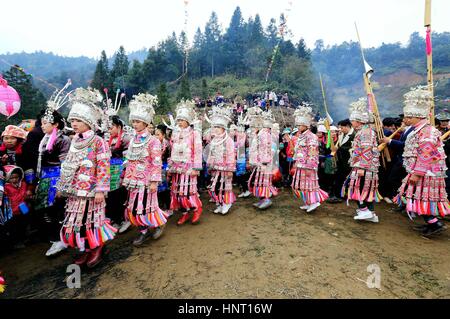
<point x="218" y="210"/>
<point x="265" y="204"/>
<point x="387" y="200"/>
<point x="364" y="214"/>
<point x="258" y="203"/>
<point x="312" y="207"/>
<point x="244" y="194"/>
<point x="225" y="209"/>
<point x="158" y="232"/>
<point x="57" y="246"/>
<point x="374" y="219"/>
<point x="304" y="207"/>
<point x="124" y="226"/>
<point x="358" y="212"/>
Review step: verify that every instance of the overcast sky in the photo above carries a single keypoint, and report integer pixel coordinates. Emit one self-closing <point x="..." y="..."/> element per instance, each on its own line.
<point x="85" y="27"/>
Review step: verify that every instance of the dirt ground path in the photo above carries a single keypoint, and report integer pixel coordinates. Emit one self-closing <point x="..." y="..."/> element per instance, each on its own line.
<point x="278" y="253"/>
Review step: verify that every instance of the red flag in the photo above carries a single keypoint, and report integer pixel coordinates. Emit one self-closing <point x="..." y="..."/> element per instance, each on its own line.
<point x="428" y="40"/>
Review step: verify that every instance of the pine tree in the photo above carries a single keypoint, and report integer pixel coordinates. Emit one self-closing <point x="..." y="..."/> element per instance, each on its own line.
<point x="272" y="33"/>
<point x="120" y="69"/>
<point x="163" y="100"/>
<point x="302" y="50"/>
<point x="212" y="43"/>
<point x="204" y="89"/>
<point x="32" y="99"/>
<point x="185" y="91"/>
<point x="102" y="76"/>
<point x="256" y="32"/>
<point x="184" y="49"/>
<point x="235" y="43"/>
<point x="135" y="79"/>
<point x="198" y="38"/>
<point x="168" y="61"/>
<point x="197" y="57"/>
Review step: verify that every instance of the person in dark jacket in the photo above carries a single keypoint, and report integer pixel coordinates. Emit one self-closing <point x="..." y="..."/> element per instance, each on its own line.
<point x="397" y="172"/>
<point x="343" y="146"/>
<point x="118" y="143"/>
<point x="52" y="151"/>
<point x="31" y="149"/>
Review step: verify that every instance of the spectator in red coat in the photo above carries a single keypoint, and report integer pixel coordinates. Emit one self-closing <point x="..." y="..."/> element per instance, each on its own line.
<point x="16" y="194"/>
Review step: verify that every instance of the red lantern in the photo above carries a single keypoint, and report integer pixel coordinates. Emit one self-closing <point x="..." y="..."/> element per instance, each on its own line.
<point x="9" y="99"/>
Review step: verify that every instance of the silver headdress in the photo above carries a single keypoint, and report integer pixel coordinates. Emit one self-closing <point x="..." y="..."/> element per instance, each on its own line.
<point x="418" y="102"/>
<point x="110" y="109"/>
<point x="268" y="119"/>
<point x="186" y="111"/>
<point x="84" y="107"/>
<point x="142" y="107"/>
<point x="359" y="111"/>
<point x="220" y="116"/>
<point x="56" y="101"/>
<point x="254" y="117"/>
<point x="303" y="116"/>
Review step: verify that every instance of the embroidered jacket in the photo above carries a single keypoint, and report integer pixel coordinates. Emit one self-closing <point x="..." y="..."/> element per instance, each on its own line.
<point x="424" y="153"/>
<point x="143" y="161"/>
<point x="365" y="154"/>
<point x="261" y="148"/>
<point x="186" y="153"/>
<point x="222" y="157"/>
<point x="306" y="152"/>
<point x="85" y="171"/>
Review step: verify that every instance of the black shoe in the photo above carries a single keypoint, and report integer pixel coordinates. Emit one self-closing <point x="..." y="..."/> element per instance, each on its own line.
<point x="141" y="239"/>
<point x="434" y="229"/>
<point x="399" y="209"/>
<point x="420" y="228"/>
<point x="334" y="200"/>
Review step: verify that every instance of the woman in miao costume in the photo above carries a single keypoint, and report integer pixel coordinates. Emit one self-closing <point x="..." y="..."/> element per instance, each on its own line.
<point x="85" y="181"/>
<point x="423" y="189"/>
<point x="221" y="160"/>
<point x="143" y="172"/>
<point x="305" y="183"/>
<point x="362" y="183"/>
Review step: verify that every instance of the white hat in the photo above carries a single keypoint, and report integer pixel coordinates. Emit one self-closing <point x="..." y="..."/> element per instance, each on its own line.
<point x="359" y="111"/>
<point x="417" y="102"/>
<point x="303" y="116"/>
<point x="142" y="107"/>
<point x="333" y="128"/>
<point x="220" y="116"/>
<point x="254" y="117"/>
<point x="321" y="128"/>
<point x="268" y="119"/>
<point x="84" y="107"/>
<point x="186" y="111"/>
<point x="276" y="127"/>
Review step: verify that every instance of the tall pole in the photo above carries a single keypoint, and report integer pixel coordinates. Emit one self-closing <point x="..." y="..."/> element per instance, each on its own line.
<point x="429" y="48"/>
<point x="373" y="106"/>
<point x="327" y="123"/>
<point x="323" y="94"/>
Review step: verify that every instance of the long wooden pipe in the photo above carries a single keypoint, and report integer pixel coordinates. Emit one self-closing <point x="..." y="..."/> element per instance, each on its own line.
<point x="382" y="146"/>
<point x="444" y="137"/>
